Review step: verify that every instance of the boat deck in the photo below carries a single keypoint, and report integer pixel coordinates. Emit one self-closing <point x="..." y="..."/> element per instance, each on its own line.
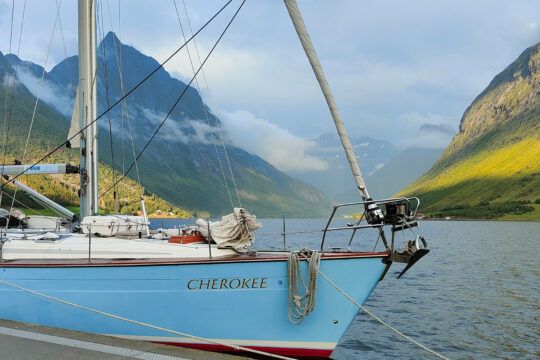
<point x="260" y="256"/>
<point x="20" y="341"/>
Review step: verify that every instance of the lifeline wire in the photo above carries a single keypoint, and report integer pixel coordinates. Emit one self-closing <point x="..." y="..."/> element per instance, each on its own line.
<point x="235" y="347"/>
<point x="380" y="320"/>
<point x="123" y="97"/>
<point x="177" y="100"/>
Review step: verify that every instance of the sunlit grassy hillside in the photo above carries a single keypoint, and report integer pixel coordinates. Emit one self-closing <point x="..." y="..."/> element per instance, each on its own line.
<point x="491" y="169"/>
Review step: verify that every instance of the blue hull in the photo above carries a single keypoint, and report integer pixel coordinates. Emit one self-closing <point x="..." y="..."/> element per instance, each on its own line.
<point x="245" y="303"/>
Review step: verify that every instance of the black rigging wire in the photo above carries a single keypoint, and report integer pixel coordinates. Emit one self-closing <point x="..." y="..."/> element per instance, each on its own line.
<point x="203" y="105"/>
<point x="67" y="142"/>
<point x="178" y="99"/>
<point x="7" y="109"/>
<point x="106" y="83"/>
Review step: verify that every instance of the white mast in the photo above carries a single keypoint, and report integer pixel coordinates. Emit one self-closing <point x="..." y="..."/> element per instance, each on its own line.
<point x="88" y="107"/>
<point x="301" y="30"/>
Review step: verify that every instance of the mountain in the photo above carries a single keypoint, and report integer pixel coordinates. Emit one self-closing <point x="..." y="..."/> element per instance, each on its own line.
<point x="370" y="153"/>
<point x="181" y="163"/>
<point x="491" y="169"/>
<point x="50" y="129"/>
<point x="396" y="174"/>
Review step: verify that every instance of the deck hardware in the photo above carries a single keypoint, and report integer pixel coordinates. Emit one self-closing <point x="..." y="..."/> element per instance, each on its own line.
<point x="89" y="242"/>
<point x="283" y="234"/>
<point x="209" y="239"/>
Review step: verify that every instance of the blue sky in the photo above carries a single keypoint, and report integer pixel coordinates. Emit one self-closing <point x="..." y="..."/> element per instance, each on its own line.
<point x="394" y="66"/>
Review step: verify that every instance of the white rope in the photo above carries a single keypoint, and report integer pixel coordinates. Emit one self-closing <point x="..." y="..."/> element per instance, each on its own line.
<point x="381" y="321"/>
<point x="301" y="306"/>
<point x="235" y="347"/>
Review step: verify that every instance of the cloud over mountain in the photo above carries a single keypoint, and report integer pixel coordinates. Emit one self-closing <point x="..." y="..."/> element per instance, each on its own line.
<point x="278" y="146"/>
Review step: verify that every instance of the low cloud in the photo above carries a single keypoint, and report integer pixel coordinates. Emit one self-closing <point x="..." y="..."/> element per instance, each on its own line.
<point x="278" y="146"/>
<point x="185" y="130"/>
<point x="437" y="128"/>
<point x="48" y="92"/>
<point x="432" y="136"/>
<point x="8" y="80"/>
<point x="433" y="131"/>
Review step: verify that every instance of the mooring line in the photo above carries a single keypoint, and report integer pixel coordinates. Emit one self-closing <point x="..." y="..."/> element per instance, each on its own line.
<point x="380" y="320"/>
<point x="235" y="347"/>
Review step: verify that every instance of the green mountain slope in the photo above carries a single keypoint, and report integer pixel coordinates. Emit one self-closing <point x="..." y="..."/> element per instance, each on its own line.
<point x="180" y="165"/>
<point x="50" y="129"/>
<point x="397" y="173"/>
<point x="491" y="169"/>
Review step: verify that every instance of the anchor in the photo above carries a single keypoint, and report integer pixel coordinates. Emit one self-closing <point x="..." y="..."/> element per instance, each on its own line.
<point x="414" y="251"/>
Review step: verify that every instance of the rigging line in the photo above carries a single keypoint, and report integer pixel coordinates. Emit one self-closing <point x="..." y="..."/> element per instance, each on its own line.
<point x="106" y="83"/>
<point x="62" y="37"/>
<point x="13" y="88"/>
<point x="375" y="317"/>
<point x="124" y="107"/>
<point x="11" y="26"/>
<point x="204" y="108"/>
<point x="122" y="98"/>
<point x="38" y="94"/>
<point x="10" y="41"/>
<point x="69" y="74"/>
<point x="213" y="106"/>
<point x="24" y="205"/>
<point x="182" y="94"/>
<point x="10" y="79"/>
<point x="119" y="62"/>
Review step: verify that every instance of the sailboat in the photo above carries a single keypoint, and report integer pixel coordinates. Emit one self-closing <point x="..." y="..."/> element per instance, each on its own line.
<point x="108" y="275"/>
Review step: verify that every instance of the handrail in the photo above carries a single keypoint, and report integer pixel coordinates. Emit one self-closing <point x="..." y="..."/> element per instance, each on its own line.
<point x="357" y="226"/>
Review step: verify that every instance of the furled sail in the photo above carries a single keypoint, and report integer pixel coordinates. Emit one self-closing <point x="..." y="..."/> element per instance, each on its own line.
<point x="75" y="126"/>
<point x="233" y="231"/>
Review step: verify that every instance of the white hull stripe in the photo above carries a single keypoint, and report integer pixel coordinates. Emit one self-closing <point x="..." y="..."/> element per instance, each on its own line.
<point x="86" y="345"/>
<point x="259" y="343"/>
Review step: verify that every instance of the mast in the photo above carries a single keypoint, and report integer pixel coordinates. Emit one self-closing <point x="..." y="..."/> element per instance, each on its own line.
<point x="302" y="32"/>
<point x="88" y="108"/>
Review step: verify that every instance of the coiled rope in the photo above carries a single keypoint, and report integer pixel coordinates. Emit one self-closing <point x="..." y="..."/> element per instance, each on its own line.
<point x="301" y="306"/>
<point x="211" y="341"/>
<point x="375" y="317"/>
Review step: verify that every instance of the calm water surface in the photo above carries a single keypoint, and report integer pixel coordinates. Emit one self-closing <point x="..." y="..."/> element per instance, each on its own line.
<point x="474" y="296"/>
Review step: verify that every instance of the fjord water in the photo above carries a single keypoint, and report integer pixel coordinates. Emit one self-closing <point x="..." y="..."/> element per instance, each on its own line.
<point x="474" y="296"/>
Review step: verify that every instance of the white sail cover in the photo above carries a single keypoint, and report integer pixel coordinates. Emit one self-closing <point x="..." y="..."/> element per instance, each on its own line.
<point x="233" y="231"/>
